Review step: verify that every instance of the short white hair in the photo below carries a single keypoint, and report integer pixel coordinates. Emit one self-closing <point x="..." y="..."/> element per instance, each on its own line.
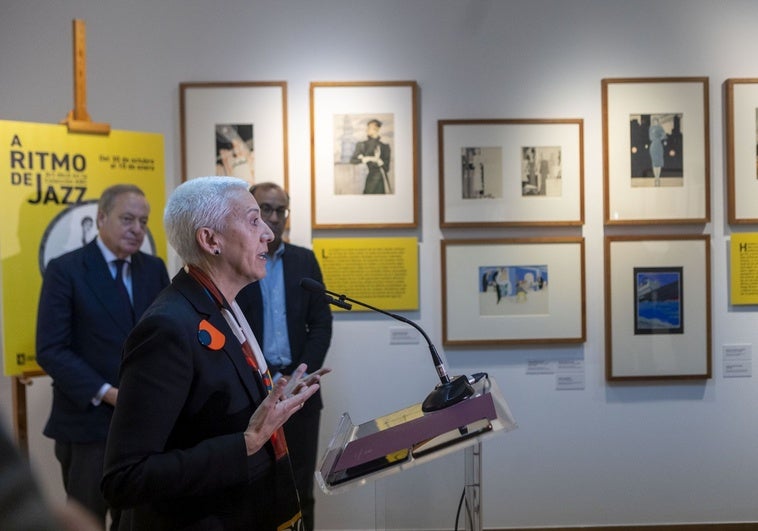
<point x="197" y="203"/>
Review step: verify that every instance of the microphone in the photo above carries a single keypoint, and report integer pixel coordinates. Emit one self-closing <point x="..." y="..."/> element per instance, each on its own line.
<point x="317" y="287"/>
<point x="447" y="392"/>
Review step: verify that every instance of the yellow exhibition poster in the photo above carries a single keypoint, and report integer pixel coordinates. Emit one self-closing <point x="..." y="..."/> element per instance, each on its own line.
<point x="744" y="268"/>
<point x="382" y="272"/>
<point x="50" y="181"/>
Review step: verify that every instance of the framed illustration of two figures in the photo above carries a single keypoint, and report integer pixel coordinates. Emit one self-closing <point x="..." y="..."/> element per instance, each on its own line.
<point x="511" y="172"/>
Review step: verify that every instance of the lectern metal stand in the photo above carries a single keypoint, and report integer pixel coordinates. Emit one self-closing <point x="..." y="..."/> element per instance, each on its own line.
<point x="473" y="487"/>
<point x="409" y="437"/>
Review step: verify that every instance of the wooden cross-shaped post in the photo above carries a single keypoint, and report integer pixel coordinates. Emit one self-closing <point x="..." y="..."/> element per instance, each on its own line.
<point x="78" y="119"/>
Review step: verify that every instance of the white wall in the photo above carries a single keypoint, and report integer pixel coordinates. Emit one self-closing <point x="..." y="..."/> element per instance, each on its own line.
<point x="608" y="454"/>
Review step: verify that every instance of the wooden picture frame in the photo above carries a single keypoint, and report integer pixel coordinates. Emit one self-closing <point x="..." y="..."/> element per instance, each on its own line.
<point x="741" y="102"/>
<point x="364" y="171"/>
<point x="656" y="152"/>
<point x="511" y="172"/>
<point x="650" y="333"/>
<point x="513" y="291"/>
<point x="235" y="128"/>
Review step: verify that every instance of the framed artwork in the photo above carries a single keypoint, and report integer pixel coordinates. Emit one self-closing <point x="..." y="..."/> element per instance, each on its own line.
<point x="236" y="128"/>
<point x="513" y="291"/>
<point x="656" y="150"/>
<point x="657" y="307"/>
<point x="499" y="173"/>
<point x="363" y="156"/>
<point x="741" y="98"/>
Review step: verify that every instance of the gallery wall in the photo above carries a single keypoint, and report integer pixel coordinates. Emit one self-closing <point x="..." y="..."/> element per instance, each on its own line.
<point x="602" y="454"/>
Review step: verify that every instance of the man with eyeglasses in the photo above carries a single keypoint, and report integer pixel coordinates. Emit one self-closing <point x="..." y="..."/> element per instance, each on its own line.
<point x="294" y="326"/>
<point x="90" y="299"/>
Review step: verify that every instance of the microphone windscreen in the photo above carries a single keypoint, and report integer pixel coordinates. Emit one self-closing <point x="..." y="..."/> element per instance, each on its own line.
<point x="312" y="285"/>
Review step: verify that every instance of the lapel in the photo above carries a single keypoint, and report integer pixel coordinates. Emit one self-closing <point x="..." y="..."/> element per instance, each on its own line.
<point x="207" y="309"/>
<point x="255" y="317"/>
<point x="139" y="285"/>
<point x="293" y="292"/>
<point x="98" y="277"/>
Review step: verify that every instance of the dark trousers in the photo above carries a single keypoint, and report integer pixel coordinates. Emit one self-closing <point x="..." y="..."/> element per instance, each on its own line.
<point x="301" y="431"/>
<point x="82" y="468"/>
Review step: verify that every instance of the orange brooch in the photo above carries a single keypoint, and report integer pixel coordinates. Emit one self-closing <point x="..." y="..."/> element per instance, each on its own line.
<point x="210" y="336"/>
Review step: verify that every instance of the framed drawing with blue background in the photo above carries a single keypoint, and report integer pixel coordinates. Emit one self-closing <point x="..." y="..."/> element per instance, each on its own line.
<point x="651" y="334"/>
<point x="513" y="291"/>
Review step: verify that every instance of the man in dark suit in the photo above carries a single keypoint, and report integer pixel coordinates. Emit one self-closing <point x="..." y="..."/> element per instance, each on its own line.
<point x="90" y="300"/>
<point x="303" y="337"/>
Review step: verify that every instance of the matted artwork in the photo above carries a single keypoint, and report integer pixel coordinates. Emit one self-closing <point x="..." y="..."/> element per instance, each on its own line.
<point x="659" y="300"/>
<point x="655" y="150"/>
<point x="517" y="290"/>
<point x="237" y="129"/>
<point x="363" y="161"/>
<point x="513" y="291"/>
<point x="496" y="173"/>
<point x="651" y="334"/>
<point x="741" y="98"/>
<point x="656" y="147"/>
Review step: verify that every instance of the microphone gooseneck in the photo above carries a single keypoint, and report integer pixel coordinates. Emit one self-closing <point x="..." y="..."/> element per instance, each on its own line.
<point x="317" y="287"/>
<point x="447" y="392"/>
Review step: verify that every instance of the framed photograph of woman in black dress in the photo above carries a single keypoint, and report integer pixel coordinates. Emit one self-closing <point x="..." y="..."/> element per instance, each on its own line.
<point x="363" y="156"/>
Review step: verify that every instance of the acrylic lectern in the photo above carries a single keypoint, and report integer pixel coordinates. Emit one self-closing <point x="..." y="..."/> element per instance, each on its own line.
<point x="409" y="437"/>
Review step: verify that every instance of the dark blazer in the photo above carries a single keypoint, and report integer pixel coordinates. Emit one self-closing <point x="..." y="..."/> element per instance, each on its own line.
<point x="309" y="319"/>
<point x="176" y="452"/>
<point x="80" y="333"/>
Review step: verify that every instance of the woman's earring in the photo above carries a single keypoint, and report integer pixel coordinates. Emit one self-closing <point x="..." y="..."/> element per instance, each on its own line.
<point x="217" y="252"/>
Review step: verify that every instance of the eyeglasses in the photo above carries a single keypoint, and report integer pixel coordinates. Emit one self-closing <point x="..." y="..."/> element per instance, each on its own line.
<point x="267" y="210"/>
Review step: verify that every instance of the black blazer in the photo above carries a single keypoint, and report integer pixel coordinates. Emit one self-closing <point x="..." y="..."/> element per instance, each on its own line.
<point x="80" y="333"/>
<point x="176" y="452"/>
<point x="309" y="319"/>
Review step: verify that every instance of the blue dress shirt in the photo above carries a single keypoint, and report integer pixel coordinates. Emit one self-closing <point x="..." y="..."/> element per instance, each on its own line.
<point x="276" y="343"/>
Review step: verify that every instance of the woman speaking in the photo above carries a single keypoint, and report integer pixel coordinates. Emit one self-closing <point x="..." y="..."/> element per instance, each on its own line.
<point x="196" y="439"/>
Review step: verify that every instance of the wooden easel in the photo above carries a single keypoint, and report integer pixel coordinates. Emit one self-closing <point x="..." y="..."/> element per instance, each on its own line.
<point x="78" y="121"/>
<point x="18" y="392"/>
